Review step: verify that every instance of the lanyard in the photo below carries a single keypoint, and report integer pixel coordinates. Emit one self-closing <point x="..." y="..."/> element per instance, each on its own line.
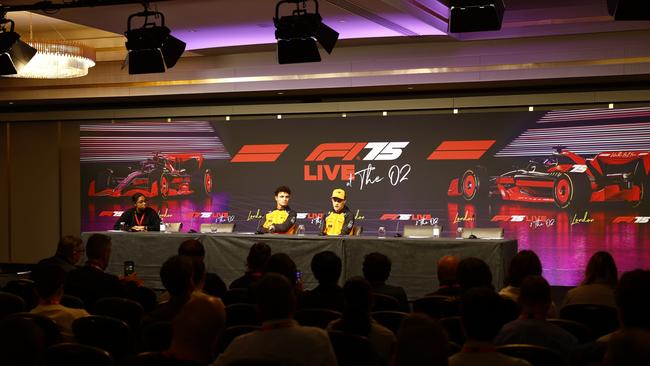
<point x="139" y="222"/>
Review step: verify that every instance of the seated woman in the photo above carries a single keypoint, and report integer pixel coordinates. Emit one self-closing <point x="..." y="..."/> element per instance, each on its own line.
<point x="601" y="278"/>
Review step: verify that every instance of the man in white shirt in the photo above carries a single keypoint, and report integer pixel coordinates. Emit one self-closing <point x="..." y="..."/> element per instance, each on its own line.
<point x="281" y="338"/>
<point x="49" y="288"/>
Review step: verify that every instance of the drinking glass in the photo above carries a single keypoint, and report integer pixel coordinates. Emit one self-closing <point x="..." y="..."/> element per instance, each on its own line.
<point x="381" y="232"/>
<point x="301" y="229"/>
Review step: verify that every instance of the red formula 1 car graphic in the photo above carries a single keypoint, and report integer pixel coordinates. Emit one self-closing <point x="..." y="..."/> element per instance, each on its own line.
<point x="564" y="178"/>
<point x="163" y="174"/>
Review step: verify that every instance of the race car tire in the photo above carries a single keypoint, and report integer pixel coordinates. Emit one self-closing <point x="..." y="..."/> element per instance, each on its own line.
<point x="163" y="185"/>
<point x="571" y="190"/>
<point x="103" y="180"/>
<point x="473" y="184"/>
<point x="202" y="183"/>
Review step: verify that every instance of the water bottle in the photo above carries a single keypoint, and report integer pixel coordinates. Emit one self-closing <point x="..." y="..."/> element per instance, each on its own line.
<point x="162" y="225"/>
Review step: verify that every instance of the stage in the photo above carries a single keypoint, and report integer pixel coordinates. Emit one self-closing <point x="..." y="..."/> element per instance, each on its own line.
<point x="414" y="260"/>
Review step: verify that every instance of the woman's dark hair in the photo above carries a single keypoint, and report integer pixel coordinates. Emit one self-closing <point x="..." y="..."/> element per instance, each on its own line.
<point x="601" y="269"/>
<point x="525" y="263"/>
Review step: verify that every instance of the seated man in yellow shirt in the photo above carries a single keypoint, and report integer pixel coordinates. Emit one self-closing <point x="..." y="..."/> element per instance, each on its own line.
<point x="281" y="220"/>
<point x="339" y="220"/>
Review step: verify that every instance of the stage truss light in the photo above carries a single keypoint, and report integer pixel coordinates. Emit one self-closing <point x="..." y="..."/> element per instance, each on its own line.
<point x="298" y="33"/>
<point x="152" y="48"/>
<point x="14" y="53"/>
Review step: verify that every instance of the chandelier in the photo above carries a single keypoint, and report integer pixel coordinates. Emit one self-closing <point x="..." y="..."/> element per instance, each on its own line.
<point x="58" y="60"/>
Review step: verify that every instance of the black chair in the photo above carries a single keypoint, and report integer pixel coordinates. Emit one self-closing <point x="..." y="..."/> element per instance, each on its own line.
<point x="10" y="304"/>
<point x="437" y="306"/>
<point x="381" y="302"/>
<point x="536" y="355"/>
<point x="230" y="333"/>
<point x="242" y="314"/>
<point x="72" y="302"/>
<point x="316" y="317"/>
<point x="127" y="310"/>
<point x="156" y="336"/>
<point x="389" y="319"/>
<point x="580" y="331"/>
<point x="600" y="319"/>
<point x="51" y="331"/>
<point x="110" y="334"/>
<point x="25" y="289"/>
<point x="353" y="350"/>
<point x="74" y="354"/>
<point x="236" y="296"/>
<point x="454" y="328"/>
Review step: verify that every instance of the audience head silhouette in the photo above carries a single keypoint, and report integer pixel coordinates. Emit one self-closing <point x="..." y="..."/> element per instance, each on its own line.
<point x="601" y="269"/>
<point x="535" y="297"/>
<point x="98" y="249"/>
<point x="447" y="267"/>
<point x="176" y="275"/>
<point x="283" y="264"/>
<point x="525" y="263"/>
<point x="633" y="299"/>
<point x="326" y="267"/>
<point x="473" y="272"/>
<point x="376" y="267"/>
<point x="257" y="257"/>
<point x="421" y="341"/>
<point x="479" y="311"/>
<point x="275" y="297"/>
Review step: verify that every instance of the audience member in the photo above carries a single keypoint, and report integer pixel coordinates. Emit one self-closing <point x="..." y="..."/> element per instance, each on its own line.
<point x="90" y="283"/>
<point x="629" y="347"/>
<point x="531" y="327"/>
<point x="256" y="260"/>
<point x="356" y="318"/>
<point x="283" y="264"/>
<point x="525" y="263"/>
<point x="176" y="275"/>
<point x="213" y="284"/>
<point x="480" y="309"/>
<point x="421" y="342"/>
<point x="599" y="284"/>
<point x="473" y="272"/>
<point x="196" y="330"/>
<point x="68" y="254"/>
<point x="633" y="300"/>
<point x="281" y="338"/>
<point x="326" y="267"/>
<point x="48" y="280"/>
<point x="447" y="280"/>
<point x="376" y="269"/>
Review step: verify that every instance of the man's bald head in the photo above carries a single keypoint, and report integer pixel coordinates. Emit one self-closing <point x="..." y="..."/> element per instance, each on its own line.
<point x="447" y="267"/>
<point x="198" y="325"/>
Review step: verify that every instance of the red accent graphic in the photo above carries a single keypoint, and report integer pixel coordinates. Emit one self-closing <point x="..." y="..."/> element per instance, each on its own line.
<point x="461" y="150"/>
<point x="345" y="150"/>
<point x="259" y="153"/>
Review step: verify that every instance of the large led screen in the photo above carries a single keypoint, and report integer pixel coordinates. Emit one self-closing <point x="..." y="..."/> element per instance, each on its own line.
<point x="564" y="183"/>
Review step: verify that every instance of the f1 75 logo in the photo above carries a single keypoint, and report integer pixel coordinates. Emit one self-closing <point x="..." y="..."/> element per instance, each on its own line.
<point x="350" y="150"/>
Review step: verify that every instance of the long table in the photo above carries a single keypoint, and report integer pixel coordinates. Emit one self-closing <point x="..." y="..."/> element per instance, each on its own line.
<point x="414" y="260"/>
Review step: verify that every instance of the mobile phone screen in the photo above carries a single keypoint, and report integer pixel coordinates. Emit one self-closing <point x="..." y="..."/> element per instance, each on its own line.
<point x="129" y="267"/>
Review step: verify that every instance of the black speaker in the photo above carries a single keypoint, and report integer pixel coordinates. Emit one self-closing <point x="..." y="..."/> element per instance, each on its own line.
<point x="629" y="9"/>
<point x="475" y="15"/>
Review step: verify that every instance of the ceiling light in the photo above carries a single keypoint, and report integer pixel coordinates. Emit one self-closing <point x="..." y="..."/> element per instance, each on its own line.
<point x="475" y="15"/>
<point x="14" y="53"/>
<point x="298" y="33"/>
<point x="151" y="48"/>
<point x="58" y="60"/>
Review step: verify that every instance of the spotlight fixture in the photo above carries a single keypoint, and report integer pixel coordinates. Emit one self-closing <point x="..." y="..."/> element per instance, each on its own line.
<point x="151" y="48"/>
<point x="629" y="9"/>
<point x="297" y="34"/>
<point x="475" y="15"/>
<point x="14" y="53"/>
